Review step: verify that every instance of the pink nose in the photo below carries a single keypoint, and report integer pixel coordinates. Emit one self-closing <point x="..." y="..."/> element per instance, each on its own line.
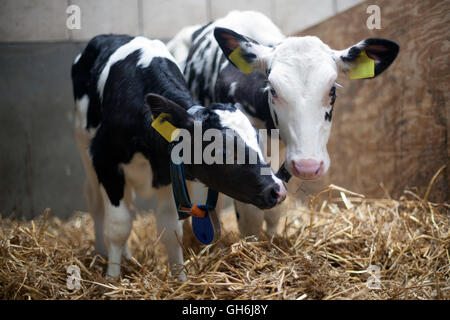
<point x="281" y="194"/>
<point x="307" y="169"/>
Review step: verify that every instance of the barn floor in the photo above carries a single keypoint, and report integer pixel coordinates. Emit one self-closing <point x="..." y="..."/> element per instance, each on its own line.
<point x="323" y="252"/>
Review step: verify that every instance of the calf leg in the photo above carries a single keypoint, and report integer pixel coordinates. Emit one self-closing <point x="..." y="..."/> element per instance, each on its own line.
<point x="97" y="211"/>
<point x="92" y="190"/>
<point x="117" y="229"/>
<point x="250" y="218"/>
<point x="171" y="228"/>
<point x="272" y="218"/>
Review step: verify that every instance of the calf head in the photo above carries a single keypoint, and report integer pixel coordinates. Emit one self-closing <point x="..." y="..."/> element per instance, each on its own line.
<point x="227" y="158"/>
<point x="301" y="75"/>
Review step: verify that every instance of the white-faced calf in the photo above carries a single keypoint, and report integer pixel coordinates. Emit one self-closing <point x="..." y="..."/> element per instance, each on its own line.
<point x="119" y="83"/>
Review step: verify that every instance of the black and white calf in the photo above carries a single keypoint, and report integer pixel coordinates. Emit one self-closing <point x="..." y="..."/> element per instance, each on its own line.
<point x="292" y="86"/>
<point x="119" y="83"/>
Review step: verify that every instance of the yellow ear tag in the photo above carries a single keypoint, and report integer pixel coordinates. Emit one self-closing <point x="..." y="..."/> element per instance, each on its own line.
<point x="365" y="67"/>
<point x="236" y="58"/>
<point x="164" y="127"/>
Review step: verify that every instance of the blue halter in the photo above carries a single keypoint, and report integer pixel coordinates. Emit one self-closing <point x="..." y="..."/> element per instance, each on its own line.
<point x="205" y="225"/>
<point x="283" y="174"/>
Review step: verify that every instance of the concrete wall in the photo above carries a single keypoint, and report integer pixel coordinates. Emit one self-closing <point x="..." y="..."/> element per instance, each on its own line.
<point x="39" y="163"/>
<point x="45" y="20"/>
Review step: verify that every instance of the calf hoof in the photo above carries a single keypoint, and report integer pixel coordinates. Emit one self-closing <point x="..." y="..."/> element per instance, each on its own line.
<point x="111" y="278"/>
<point x="127" y="253"/>
<point x="179" y="272"/>
<point x="182" y="277"/>
<point x="112" y="272"/>
<point x="101" y="250"/>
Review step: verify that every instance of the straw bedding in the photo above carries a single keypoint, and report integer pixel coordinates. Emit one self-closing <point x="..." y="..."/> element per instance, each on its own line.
<point x="323" y="252"/>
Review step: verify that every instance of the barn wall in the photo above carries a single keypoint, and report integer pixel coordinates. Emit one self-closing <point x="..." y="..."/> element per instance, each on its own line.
<point x="39" y="163"/>
<point x="393" y="129"/>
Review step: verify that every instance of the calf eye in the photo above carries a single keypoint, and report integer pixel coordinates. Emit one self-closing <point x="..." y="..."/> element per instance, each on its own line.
<point x="273" y="93"/>
<point x="332" y="95"/>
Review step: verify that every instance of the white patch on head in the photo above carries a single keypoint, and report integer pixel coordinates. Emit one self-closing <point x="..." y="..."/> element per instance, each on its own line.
<point x="149" y="50"/>
<point x="275" y="178"/>
<point x="302" y="73"/>
<point x="238" y="122"/>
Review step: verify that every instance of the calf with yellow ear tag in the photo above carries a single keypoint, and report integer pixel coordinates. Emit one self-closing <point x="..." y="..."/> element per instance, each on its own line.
<point x="284" y="83"/>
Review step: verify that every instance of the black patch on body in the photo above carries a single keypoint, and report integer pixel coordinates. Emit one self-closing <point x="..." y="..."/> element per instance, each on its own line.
<point x="86" y="71"/>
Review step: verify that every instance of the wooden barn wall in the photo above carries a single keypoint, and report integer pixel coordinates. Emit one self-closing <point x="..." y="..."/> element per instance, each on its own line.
<point x="393" y="130"/>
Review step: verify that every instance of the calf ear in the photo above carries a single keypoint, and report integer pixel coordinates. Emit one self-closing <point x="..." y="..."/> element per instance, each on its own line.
<point x="368" y="58"/>
<point x="244" y="53"/>
<point x="177" y="115"/>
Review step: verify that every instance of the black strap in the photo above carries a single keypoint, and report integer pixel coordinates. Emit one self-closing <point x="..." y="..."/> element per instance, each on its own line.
<point x="179" y="188"/>
<point x="211" y="199"/>
<point x="181" y="194"/>
<point x="283" y="174"/>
